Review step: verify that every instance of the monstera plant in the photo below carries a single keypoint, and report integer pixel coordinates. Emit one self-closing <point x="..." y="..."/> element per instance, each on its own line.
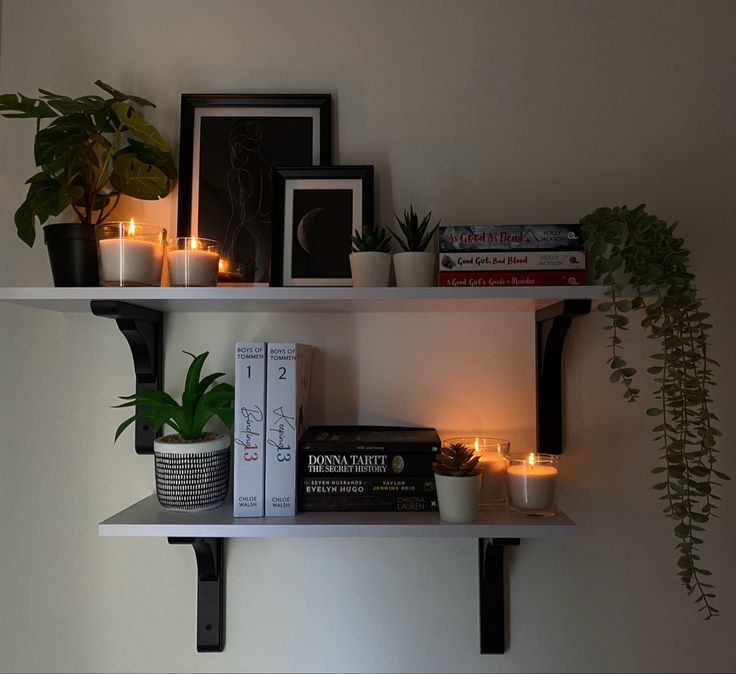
<point x="636" y="249"/>
<point x="89" y="151"/>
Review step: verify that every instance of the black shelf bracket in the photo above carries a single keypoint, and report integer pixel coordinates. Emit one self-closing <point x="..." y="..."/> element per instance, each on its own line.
<point x="553" y="324"/>
<point x="143" y="328"/>
<point x="210" y="591"/>
<point x="493" y="605"/>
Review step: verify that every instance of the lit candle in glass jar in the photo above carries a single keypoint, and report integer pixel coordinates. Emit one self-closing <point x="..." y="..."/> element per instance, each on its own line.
<point x="130" y="254"/>
<point x="193" y="262"/>
<point x="531" y="484"/>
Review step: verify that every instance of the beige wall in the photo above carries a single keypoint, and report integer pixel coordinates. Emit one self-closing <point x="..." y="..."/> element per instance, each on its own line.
<point x="484" y="112"/>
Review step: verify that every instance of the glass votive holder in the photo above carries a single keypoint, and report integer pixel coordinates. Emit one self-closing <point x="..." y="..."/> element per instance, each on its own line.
<point x="531" y="484"/>
<point x="493" y="452"/>
<point x="130" y="253"/>
<point x="229" y="272"/>
<point x="193" y="261"/>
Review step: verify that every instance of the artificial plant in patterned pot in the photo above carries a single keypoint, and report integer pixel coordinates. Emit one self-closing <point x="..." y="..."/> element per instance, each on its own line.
<point x="192" y="465"/>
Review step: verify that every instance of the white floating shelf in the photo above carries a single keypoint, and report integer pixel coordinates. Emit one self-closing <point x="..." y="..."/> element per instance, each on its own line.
<point x="308" y="299"/>
<point x="147" y="518"/>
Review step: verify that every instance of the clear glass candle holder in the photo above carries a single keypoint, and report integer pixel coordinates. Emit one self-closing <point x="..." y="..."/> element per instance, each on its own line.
<point x="193" y="262"/>
<point x="130" y="253"/>
<point x="531" y="484"/>
<point x="493" y="452"/>
<point x="229" y="272"/>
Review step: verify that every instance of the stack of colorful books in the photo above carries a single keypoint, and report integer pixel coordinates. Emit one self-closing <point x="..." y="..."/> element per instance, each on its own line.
<point x="511" y="255"/>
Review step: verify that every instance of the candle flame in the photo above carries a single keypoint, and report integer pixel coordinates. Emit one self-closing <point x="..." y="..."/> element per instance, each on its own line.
<point x="131" y="228"/>
<point x="221" y="266"/>
<point x="532" y="460"/>
<point x="498" y="447"/>
<point x="194" y="243"/>
<point x="477" y="446"/>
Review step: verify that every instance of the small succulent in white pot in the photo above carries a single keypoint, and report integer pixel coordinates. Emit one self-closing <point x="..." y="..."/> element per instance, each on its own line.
<point x="458" y="479"/>
<point x="415" y="266"/>
<point x="370" y="261"/>
<point x="192" y="465"/>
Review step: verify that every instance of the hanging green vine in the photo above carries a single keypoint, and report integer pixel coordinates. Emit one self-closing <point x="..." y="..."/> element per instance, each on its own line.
<point x="653" y="262"/>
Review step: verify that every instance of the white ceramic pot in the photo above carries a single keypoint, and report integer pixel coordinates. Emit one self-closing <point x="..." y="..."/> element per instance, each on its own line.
<point x="370" y="269"/>
<point x="192" y="476"/>
<point x="458" y="497"/>
<point x="415" y="269"/>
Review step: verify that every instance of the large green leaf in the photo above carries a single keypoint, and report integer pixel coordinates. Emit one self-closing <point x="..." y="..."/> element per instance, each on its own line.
<point x="48" y="197"/>
<point x="54" y="143"/>
<point x="24" y="223"/>
<point x="139" y="127"/>
<point x="120" y="96"/>
<point x="18" y="105"/>
<point x="143" y="181"/>
<point x="150" y="155"/>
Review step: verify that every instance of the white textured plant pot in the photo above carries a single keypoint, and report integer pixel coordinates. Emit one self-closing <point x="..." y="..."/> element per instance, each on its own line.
<point x="370" y="269"/>
<point x="192" y="476"/>
<point x="458" y="497"/>
<point x="415" y="269"/>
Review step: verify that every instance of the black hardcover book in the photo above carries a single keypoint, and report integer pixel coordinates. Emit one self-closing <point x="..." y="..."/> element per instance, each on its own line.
<point x="353" y="439"/>
<point x="367" y="494"/>
<point x="392" y="504"/>
<point x="363" y="463"/>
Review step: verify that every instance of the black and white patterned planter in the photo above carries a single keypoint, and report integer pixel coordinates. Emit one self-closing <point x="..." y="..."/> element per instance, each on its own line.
<point x="192" y="476"/>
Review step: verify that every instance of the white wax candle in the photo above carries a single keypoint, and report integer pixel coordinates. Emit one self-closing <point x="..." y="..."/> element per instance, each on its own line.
<point x="493" y="469"/>
<point x="530" y="486"/>
<point x="193" y="267"/>
<point x="130" y="261"/>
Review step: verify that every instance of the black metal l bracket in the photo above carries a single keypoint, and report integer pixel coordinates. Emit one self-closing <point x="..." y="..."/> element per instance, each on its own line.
<point x="210" y="592"/>
<point x="143" y="328"/>
<point x="493" y="606"/>
<point x="553" y="323"/>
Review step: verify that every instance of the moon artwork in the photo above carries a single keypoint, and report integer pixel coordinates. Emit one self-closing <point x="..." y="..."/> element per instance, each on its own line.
<point x="322" y="225"/>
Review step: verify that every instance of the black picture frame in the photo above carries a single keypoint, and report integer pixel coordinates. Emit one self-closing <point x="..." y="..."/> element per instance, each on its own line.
<point x="229" y="144"/>
<point x="314" y="251"/>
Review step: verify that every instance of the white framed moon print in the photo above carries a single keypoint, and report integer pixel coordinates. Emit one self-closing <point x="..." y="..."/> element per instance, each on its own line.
<point x="316" y="210"/>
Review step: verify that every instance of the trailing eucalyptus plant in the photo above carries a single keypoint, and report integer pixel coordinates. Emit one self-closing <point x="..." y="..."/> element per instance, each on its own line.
<point x="91" y="151"/>
<point x="372" y="239"/>
<point x="654" y="264"/>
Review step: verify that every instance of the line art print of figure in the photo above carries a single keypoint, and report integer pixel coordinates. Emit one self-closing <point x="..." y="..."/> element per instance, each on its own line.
<point x="235" y="192"/>
<point x="249" y="190"/>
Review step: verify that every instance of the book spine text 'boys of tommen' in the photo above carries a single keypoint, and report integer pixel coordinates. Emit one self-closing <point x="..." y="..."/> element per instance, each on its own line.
<point x="249" y="429"/>
<point x="288" y="375"/>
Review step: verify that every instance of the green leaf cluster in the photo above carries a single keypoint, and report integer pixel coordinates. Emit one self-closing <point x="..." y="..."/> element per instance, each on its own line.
<point x="416" y="235"/>
<point x="371" y="239"/>
<point x="198" y="404"/>
<point x="653" y="261"/>
<point x="90" y="151"/>
<point x="457" y="460"/>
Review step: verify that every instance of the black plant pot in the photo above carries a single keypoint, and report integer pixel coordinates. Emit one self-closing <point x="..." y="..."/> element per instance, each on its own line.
<point x="72" y="253"/>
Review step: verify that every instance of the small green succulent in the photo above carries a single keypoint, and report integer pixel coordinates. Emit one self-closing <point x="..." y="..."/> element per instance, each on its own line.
<point x="198" y="405"/>
<point x="457" y="460"/>
<point x="416" y="235"/>
<point x="372" y="239"/>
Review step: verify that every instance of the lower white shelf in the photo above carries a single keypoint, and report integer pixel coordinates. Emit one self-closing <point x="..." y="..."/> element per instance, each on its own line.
<point x="147" y="518"/>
